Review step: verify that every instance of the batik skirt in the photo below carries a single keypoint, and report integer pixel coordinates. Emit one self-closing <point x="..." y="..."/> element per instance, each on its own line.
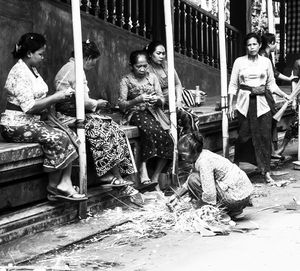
<point x="155" y="141"/>
<point x="58" y="149"/>
<point x="108" y="146"/>
<point x="253" y="144"/>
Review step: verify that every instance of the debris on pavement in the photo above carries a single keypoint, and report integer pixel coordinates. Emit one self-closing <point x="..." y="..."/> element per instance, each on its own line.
<point x="293" y="206"/>
<point x="282" y="183"/>
<point x="279" y="173"/>
<point x="156" y="218"/>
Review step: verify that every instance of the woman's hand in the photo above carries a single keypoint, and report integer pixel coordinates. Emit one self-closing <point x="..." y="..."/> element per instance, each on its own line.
<point x="173" y="200"/>
<point x="101" y="103"/>
<point x="230" y="112"/>
<point x="65" y="94"/>
<point x="146" y="97"/>
<point x="153" y="99"/>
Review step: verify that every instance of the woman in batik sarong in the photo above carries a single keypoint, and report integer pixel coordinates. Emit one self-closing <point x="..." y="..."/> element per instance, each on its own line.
<point x="21" y="122"/>
<point x="215" y="180"/>
<point x="106" y="141"/>
<point x="141" y="100"/>
<point x="252" y="80"/>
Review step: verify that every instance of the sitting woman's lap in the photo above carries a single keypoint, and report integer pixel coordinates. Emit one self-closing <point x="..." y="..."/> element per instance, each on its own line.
<point x="155" y="140"/>
<point x="107" y="143"/>
<point x="58" y="149"/>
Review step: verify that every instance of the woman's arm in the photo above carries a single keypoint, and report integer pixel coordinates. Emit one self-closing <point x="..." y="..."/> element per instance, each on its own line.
<point x="123" y="103"/>
<point x="271" y="83"/>
<point x="233" y="87"/>
<point x="176" y="196"/>
<point x="46" y="102"/>
<point x="22" y="88"/>
<point x="286" y="78"/>
<point x="66" y="78"/>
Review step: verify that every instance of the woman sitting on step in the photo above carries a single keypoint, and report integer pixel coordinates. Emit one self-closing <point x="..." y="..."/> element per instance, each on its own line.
<point x="22" y="120"/>
<point x="106" y="141"/>
<point x="141" y="100"/>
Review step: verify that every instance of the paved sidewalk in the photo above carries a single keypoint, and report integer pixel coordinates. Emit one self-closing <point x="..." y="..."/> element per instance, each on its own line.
<point x="271" y="199"/>
<point x="29" y="247"/>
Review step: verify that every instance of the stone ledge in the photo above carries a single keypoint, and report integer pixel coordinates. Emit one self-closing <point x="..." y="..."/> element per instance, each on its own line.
<point x="45" y="215"/>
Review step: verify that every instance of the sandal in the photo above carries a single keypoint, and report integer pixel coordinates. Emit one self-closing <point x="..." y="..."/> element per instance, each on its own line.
<point x="115" y="182"/>
<point x="277" y="156"/>
<point x="58" y="194"/>
<point x="146" y="181"/>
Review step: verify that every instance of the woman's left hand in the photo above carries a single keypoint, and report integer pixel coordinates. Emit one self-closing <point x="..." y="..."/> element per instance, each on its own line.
<point x="101" y="103"/>
<point x="153" y="99"/>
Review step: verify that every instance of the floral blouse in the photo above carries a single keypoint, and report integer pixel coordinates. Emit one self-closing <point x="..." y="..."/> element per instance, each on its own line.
<point x="23" y="89"/>
<point x="216" y="171"/>
<point x="131" y="88"/>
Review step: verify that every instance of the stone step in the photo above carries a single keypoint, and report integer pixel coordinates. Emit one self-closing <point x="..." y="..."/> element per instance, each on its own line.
<point x="45" y="215"/>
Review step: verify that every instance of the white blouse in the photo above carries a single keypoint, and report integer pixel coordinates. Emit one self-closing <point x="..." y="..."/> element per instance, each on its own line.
<point x="23" y="89"/>
<point x="66" y="78"/>
<point x="253" y="74"/>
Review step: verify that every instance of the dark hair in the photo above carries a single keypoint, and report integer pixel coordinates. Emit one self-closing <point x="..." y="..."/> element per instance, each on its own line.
<point x="250" y="36"/>
<point x="266" y="39"/>
<point x="193" y="142"/>
<point x="89" y="50"/>
<point x="151" y="47"/>
<point x="134" y="56"/>
<point x="29" y="42"/>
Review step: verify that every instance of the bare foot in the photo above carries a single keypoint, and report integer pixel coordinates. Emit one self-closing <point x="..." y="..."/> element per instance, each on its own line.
<point x="268" y="178"/>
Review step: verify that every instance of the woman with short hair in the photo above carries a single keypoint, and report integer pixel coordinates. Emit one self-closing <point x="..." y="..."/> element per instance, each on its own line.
<point x="215" y="180"/>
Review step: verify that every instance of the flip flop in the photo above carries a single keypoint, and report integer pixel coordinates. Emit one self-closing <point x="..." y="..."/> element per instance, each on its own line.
<point x="115" y="182"/>
<point x="146" y="181"/>
<point x="57" y="194"/>
<point x="277" y="156"/>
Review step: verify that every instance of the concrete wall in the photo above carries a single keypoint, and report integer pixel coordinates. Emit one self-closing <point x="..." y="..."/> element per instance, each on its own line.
<point x="53" y="19"/>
